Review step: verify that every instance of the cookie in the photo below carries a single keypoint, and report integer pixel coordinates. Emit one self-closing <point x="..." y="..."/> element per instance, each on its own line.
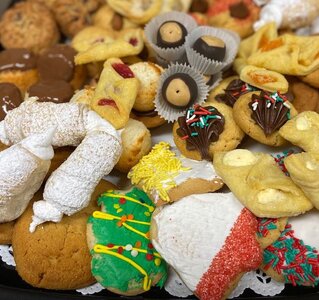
<point x="25" y="17"/>
<point x="229" y="90"/>
<point x="123" y="258"/>
<point x="303" y="131"/>
<point x="60" y="156"/>
<point x="55" y="256"/>
<point x="6" y="230"/>
<point x="10" y="98"/>
<point x="210" y="241"/>
<point x="198" y="141"/>
<point x="311" y="79"/>
<point x="235" y="15"/>
<point x="19" y="67"/>
<point x="269" y="194"/>
<point x="167" y="176"/>
<point x="261" y="115"/>
<point x="269" y="230"/>
<point x="136" y="142"/>
<point x="150" y="119"/>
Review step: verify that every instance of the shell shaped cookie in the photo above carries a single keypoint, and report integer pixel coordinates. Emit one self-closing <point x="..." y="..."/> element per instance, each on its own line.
<point x="123" y="258"/>
<point x="210" y="132"/>
<point x="213" y="252"/>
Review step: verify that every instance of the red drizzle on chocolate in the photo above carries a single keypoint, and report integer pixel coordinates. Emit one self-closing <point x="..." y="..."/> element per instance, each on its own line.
<point x="270" y="111"/>
<point x="200" y="127"/>
<point x="233" y="91"/>
<point x="105" y="102"/>
<point x="123" y="70"/>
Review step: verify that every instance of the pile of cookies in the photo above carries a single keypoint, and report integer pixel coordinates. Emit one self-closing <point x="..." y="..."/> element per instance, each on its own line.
<point x="86" y="87"/>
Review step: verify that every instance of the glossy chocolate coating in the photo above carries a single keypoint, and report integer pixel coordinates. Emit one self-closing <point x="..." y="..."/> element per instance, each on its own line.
<point x="56" y="91"/>
<point x="210" y="47"/>
<point x="10" y="98"/>
<point x="171" y="34"/>
<point x="190" y="86"/>
<point x="150" y="113"/>
<point x="18" y="59"/>
<point x="57" y="63"/>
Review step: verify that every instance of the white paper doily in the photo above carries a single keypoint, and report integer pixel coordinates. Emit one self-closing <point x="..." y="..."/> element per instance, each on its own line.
<point x="92" y="289"/>
<point x="260" y="283"/>
<point x="6" y="255"/>
<point x="175" y="286"/>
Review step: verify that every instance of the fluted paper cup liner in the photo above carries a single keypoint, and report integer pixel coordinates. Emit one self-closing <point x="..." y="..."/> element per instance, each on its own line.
<point x="203" y="64"/>
<point x="161" y="61"/>
<point x="217" y="78"/>
<point x="169" y="112"/>
<point x="151" y="29"/>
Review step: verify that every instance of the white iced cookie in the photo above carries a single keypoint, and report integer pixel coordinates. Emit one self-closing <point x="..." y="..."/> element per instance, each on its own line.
<point x="201" y="235"/>
<point x="35" y="117"/>
<point x="69" y="188"/>
<point x="23" y="168"/>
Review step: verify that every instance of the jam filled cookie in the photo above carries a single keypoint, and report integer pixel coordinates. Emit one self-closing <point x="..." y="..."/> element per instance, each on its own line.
<point x="123" y="258"/>
<point x="28" y="17"/>
<point x="205" y="130"/>
<point x="261" y="115"/>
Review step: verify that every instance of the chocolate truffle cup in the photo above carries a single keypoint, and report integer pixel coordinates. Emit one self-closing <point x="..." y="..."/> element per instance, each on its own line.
<point x="171" y="113"/>
<point x="204" y="64"/>
<point x="151" y="29"/>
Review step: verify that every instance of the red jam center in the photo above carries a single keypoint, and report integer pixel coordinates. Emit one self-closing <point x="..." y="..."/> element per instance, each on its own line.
<point x="123" y="70"/>
<point x="109" y="102"/>
<point x="133" y="41"/>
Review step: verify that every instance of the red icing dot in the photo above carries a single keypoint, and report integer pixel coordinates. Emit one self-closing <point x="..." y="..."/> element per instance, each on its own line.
<point x="120" y="250"/>
<point x="150" y="246"/>
<point x="104" y="102"/>
<point x="123" y="70"/>
<point x="133" y="41"/>
<point x="110" y="245"/>
<point x="149" y="256"/>
<point x="122" y="201"/>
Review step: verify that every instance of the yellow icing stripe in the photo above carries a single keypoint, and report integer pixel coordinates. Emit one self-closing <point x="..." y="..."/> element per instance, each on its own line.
<point x="135" y="230"/>
<point x="150" y="208"/>
<point x="101" y="215"/>
<point x="146" y="283"/>
<point x="137" y="249"/>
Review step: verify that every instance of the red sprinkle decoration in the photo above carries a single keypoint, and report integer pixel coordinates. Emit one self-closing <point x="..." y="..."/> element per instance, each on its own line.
<point x="110" y="245"/>
<point x="149" y="256"/>
<point x="120" y="250"/>
<point x="109" y="102"/>
<point x="123" y="70"/>
<point x="150" y="245"/>
<point x="133" y="41"/>
<point x="122" y="201"/>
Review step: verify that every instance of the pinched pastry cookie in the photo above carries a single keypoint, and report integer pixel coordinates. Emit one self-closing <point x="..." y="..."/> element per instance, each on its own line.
<point x="210" y="240"/>
<point x="312" y="78"/>
<point x="138" y="11"/>
<point x="303" y="131"/>
<point x="129" y="42"/>
<point x="229" y="90"/>
<point x="260" y="185"/>
<point x="115" y="93"/>
<point x="294" y="258"/>
<point x="23" y="18"/>
<point x="303" y="169"/>
<point x="205" y="130"/>
<point x="261" y="115"/>
<point x="55" y="256"/>
<point x="167" y="176"/>
<point x="123" y="258"/>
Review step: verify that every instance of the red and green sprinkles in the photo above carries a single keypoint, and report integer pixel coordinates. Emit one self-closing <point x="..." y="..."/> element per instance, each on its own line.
<point x="290" y="257"/>
<point x="279" y="159"/>
<point x="265" y="225"/>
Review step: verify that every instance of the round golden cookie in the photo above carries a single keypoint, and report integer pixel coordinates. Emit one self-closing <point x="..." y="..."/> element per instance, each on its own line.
<point x="242" y="115"/>
<point x="229" y="139"/>
<point x="136" y="142"/>
<point x="148" y="75"/>
<point x="147" y="120"/>
<point x="6" y="230"/>
<point x="312" y="79"/>
<point x="3" y="147"/>
<point x="56" y="255"/>
<point x="235" y="15"/>
<point x="28" y="25"/>
<point x="305" y="97"/>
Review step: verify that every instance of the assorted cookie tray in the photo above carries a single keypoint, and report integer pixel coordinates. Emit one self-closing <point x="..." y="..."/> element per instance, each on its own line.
<point x="159" y="149"/>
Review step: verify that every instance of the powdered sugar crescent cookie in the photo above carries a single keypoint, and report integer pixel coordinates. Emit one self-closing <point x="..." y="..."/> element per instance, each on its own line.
<point x="167" y="176"/>
<point x="205" y="130"/>
<point x="269" y="193"/>
<point x="123" y="258"/>
<point x="261" y="115"/>
<point x="303" y="131"/>
<point x="209" y="239"/>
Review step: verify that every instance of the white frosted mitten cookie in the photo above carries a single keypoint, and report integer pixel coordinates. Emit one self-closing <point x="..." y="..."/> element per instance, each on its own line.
<point x="209" y="239"/>
<point x="260" y="185"/>
<point x="69" y="188"/>
<point x="23" y="168"/>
